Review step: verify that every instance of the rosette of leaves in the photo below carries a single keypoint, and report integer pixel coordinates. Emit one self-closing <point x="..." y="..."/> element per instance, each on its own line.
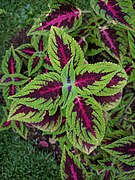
<point x="70" y="102"/>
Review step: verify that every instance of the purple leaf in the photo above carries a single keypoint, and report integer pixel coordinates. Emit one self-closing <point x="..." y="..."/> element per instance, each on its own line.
<point x="43" y="92"/>
<point x="11" y="62"/>
<point x="50" y="122"/>
<point x="81" y="41"/>
<point x="20" y="112"/>
<point x="123" y="150"/>
<point x="71" y="168"/>
<point x="109" y="37"/>
<point x="109" y="102"/>
<point x="84" y="124"/>
<point x="47" y="61"/>
<point x="6" y="124"/>
<point x="60" y="49"/>
<point x="92" y="78"/>
<point x="26" y="50"/>
<point x="121" y="13"/>
<point x="65" y="16"/>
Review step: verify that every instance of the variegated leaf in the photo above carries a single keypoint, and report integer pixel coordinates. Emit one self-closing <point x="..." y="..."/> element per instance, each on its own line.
<point x="24" y="113"/>
<point x="123" y="150"/>
<point x="47" y="63"/>
<point x="126" y="172"/>
<point x="35" y="63"/>
<point x="4" y="125"/>
<point x="11" y="62"/>
<point x="26" y="50"/>
<point x="120" y="12"/>
<point x="109" y="102"/>
<point x="65" y="16"/>
<point x="82" y="42"/>
<point x="131" y="38"/>
<point x="62" y="48"/>
<point x="50" y="123"/>
<point x="79" y="143"/>
<point x="44" y="92"/>
<point x="86" y="123"/>
<point x="113" y="40"/>
<point x="14" y="79"/>
<point x="71" y="167"/>
<point x="20" y="128"/>
<point x="9" y="91"/>
<point x="68" y="80"/>
<point x="94" y="46"/>
<point x="102" y="79"/>
<point x="40" y="43"/>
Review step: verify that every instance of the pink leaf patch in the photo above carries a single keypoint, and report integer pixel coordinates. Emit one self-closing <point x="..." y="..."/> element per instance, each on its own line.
<point x="83" y="122"/>
<point x="60" y="49"/>
<point x="71" y="168"/>
<point x="109" y="38"/>
<point x="65" y="16"/>
<point x="119" y="12"/>
<point x="43" y="92"/>
<point x="50" y="122"/>
<point x="109" y="102"/>
<point x="20" y="112"/>
<point x="123" y="150"/>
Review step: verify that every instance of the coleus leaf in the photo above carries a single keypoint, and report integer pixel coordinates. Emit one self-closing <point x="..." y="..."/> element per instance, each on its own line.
<point x="94" y="46"/>
<point x="65" y="16"/>
<point x="40" y="42"/>
<point x="71" y="167"/>
<point x="9" y="91"/>
<point x="4" y="125"/>
<point x="113" y="41"/>
<point x="101" y="79"/>
<point x="86" y="123"/>
<point x="44" y="92"/>
<point x="109" y="102"/>
<point x="26" y="50"/>
<point x="50" y="123"/>
<point x="126" y="172"/>
<point x="131" y="38"/>
<point x="61" y="48"/>
<point x="107" y="175"/>
<point x="34" y="63"/>
<point x="11" y="62"/>
<point x="118" y="11"/>
<point x="80" y="143"/>
<point x="25" y="113"/>
<point x="68" y="80"/>
<point x="47" y="63"/>
<point x="82" y="42"/>
<point x="14" y="79"/>
<point x="123" y="150"/>
<point x="20" y="128"/>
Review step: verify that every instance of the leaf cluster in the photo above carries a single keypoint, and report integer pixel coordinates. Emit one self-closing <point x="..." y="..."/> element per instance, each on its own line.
<point x="69" y="82"/>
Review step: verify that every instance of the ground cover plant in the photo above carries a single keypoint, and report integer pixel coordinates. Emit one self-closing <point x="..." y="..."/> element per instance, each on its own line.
<point x="20" y="160"/>
<point x="75" y="80"/>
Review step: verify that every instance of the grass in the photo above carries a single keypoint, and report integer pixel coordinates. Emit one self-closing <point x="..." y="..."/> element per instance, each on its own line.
<point x="20" y="160"/>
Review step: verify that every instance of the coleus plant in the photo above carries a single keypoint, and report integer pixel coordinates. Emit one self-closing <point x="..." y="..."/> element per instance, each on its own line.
<point x="68" y="96"/>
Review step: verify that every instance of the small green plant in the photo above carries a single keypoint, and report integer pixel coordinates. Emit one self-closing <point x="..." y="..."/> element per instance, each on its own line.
<point x="57" y="84"/>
